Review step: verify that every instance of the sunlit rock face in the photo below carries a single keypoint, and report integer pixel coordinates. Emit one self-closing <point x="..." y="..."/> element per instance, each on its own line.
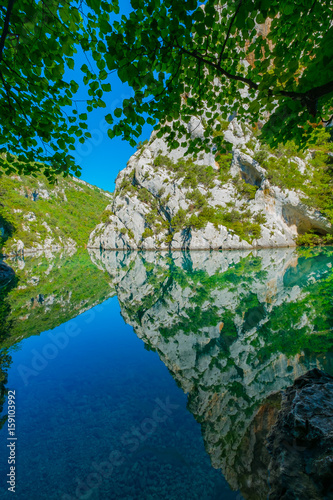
<point x="159" y="198"/>
<point x="234" y="328"/>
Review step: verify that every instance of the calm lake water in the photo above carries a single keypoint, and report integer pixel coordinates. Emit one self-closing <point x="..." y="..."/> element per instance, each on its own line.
<point x="156" y="375"/>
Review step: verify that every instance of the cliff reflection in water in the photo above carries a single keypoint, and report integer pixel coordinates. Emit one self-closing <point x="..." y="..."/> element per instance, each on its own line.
<point x="234" y="329"/>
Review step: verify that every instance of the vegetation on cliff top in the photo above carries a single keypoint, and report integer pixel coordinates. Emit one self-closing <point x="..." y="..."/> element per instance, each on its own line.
<point x="316" y="182"/>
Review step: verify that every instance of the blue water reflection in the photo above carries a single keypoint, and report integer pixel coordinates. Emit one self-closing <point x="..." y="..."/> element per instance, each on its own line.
<point x="103" y="418"/>
<point x="156" y="375"/>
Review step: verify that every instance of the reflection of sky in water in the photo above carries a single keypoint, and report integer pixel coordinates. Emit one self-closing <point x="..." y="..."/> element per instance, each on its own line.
<point x="96" y="396"/>
<point x="97" y="406"/>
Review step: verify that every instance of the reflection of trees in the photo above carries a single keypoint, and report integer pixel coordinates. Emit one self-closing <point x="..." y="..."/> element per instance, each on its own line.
<point x="234" y="330"/>
<point x="54" y="288"/>
<point x="5" y="322"/>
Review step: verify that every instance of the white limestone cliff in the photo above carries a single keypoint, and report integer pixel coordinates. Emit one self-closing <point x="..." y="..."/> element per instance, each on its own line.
<point x="150" y="194"/>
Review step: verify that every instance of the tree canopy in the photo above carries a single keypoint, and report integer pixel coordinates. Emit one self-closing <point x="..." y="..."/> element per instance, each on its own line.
<point x="267" y="61"/>
<point x="39" y="117"/>
<point x="263" y="60"/>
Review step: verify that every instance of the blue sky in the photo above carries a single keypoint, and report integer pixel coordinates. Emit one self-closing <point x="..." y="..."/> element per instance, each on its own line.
<point x="101" y="158"/>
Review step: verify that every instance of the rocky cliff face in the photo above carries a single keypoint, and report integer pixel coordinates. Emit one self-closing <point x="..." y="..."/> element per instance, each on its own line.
<point x="164" y="200"/>
<point x="233" y="328"/>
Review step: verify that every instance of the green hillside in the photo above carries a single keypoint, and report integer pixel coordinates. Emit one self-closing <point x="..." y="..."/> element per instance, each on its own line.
<point x="47" y="292"/>
<point x="36" y="213"/>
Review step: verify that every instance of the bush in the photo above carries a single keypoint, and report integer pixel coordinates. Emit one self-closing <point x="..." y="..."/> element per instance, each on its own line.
<point x="168" y="238"/>
<point x="260" y="218"/>
<point x="144" y="195"/>
<point x="127" y="184"/>
<point x="151" y="218"/>
<point x="199" y="200"/>
<point x="251" y="144"/>
<point x="262" y="154"/>
<point x="224" y="162"/>
<point x="248" y="191"/>
<point x="178" y="222"/>
<point x="255" y="231"/>
<point x="190" y="180"/>
<point x="206" y="176"/>
<point x="147" y="233"/>
<point x="196" y="222"/>
<point x="284" y="173"/>
<point x="310" y="239"/>
<point x="165" y="161"/>
<point x="106" y="216"/>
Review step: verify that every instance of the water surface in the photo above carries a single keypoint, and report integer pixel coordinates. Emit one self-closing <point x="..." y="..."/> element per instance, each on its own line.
<point x="156" y="375"/>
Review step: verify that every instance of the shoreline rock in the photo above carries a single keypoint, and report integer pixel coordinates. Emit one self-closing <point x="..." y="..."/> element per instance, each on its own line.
<point x="301" y="441"/>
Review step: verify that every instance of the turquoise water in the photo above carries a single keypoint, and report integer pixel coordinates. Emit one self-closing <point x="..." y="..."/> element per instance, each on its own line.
<point x="146" y="375"/>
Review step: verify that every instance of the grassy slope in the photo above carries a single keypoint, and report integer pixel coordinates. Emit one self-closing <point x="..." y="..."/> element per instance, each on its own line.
<point x="72" y="210"/>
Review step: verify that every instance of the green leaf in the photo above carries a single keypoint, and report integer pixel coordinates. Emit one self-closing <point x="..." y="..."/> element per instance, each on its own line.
<point x="155" y="50"/>
<point x="106" y="87"/>
<point x="288" y="8"/>
<point x="109" y="119"/>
